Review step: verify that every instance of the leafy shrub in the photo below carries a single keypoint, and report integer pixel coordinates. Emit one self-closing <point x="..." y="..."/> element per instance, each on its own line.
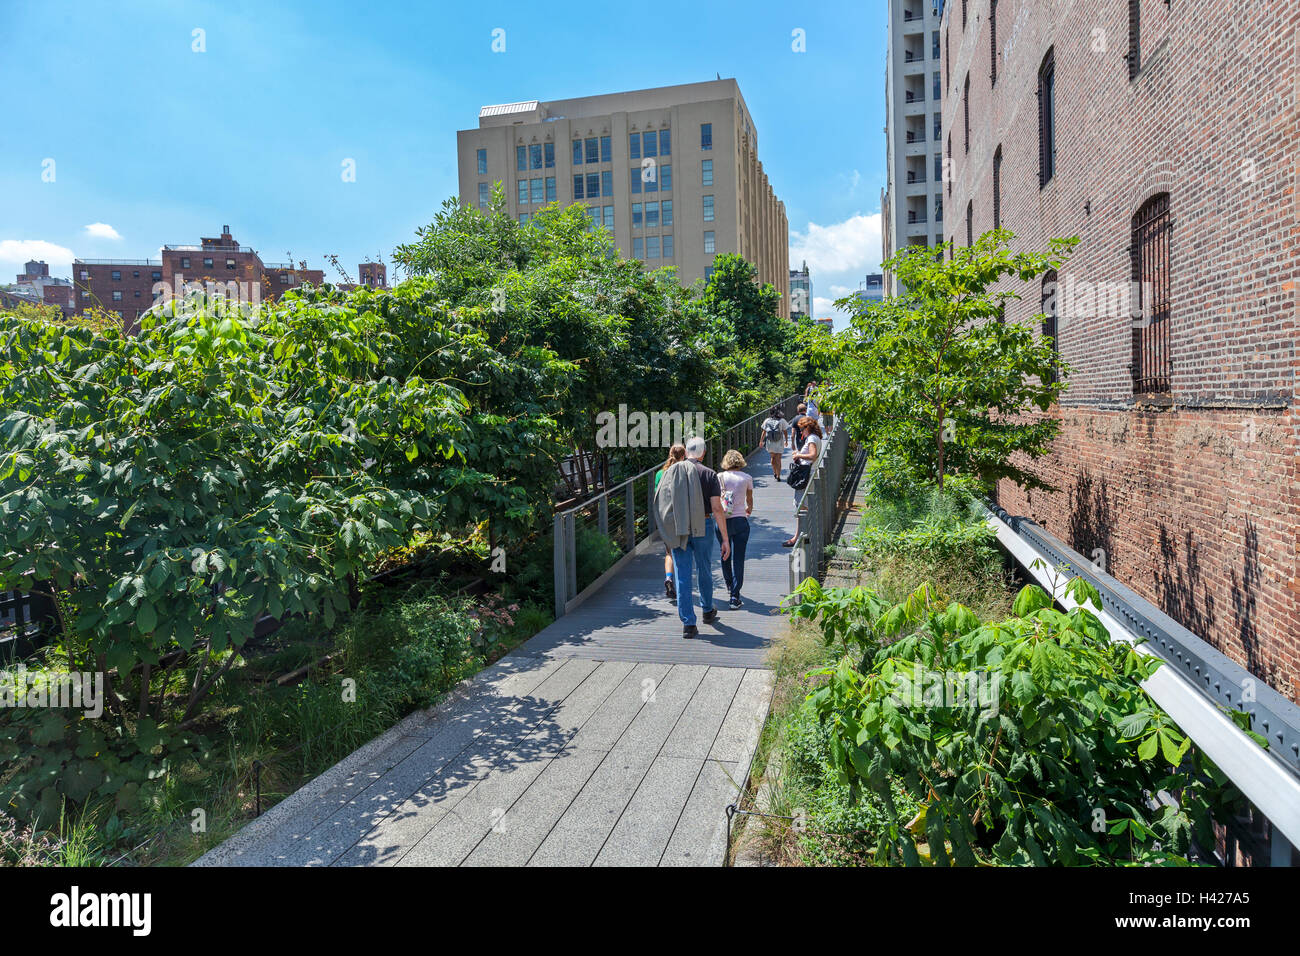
<point x="1026" y="741"/>
<point x="596" y="554"/>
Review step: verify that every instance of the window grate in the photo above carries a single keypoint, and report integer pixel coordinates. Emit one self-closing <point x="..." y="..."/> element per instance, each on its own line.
<point x="1152" y="228"/>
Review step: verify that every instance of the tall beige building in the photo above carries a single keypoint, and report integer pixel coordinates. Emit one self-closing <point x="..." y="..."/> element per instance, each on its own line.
<point x="673" y="173"/>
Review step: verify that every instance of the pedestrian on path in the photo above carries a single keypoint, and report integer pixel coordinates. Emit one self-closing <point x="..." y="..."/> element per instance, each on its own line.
<point x="802" y="462"/>
<point x="776" y="435"/>
<point x="811" y="408"/>
<point x="689" y="507"/>
<point x="738" y="502"/>
<point x="675" y="454"/>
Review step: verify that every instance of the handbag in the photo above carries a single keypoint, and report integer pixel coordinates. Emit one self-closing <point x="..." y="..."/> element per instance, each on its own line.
<point x="800" y="472"/>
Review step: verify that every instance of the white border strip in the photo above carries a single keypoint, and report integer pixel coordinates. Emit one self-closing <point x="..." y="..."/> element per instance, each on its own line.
<point x="1267" y="784"/>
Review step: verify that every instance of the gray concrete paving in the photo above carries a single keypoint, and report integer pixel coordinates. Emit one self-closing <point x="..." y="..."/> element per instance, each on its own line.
<point x="605" y="740"/>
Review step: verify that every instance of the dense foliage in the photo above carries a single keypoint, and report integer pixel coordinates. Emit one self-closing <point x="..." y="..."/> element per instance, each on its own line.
<point x="1027" y="740"/>
<point x="226" y="462"/>
<point x="934" y="381"/>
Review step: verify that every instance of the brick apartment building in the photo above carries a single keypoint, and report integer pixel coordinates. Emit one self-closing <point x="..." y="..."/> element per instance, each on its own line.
<point x="1166" y="137"/>
<point x="130" y="286"/>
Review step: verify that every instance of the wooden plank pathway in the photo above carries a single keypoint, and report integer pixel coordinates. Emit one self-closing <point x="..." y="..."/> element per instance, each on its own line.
<point x="606" y="739"/>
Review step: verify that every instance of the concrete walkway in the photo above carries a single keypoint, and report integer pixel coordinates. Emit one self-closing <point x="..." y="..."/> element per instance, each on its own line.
<point x="606" y="739"/>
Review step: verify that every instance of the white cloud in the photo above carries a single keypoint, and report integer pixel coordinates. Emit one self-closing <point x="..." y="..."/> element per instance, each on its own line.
<point x="853" y="245"/>
<point x="17" y="251"/>
<point x="102" y="230"/>
<point x="825" y="309"/>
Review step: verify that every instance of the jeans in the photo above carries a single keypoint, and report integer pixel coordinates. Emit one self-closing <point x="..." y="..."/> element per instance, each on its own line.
<point x="698" y="552"/>
<point x="733" y="566"/>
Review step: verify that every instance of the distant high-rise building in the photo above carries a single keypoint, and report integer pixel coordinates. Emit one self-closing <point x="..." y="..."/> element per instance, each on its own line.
<point x="872" y="289"/>
<point x="801" y="293"/>
<point x="912" y="205"/>
<point x="672" y="173"/>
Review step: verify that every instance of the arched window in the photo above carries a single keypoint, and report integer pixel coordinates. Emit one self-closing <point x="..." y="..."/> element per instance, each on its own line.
<point x="1047" y="120"/>
<point x="1151" y="274"/>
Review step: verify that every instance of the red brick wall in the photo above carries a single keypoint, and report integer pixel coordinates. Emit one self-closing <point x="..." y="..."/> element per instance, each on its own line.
<point x="1197" y="504"/>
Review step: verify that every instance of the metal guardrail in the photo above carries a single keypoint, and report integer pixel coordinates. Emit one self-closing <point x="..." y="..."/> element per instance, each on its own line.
<point x="617" y="508"/>
<point x="1269" y="779"/>
<point x="816" y="509"/>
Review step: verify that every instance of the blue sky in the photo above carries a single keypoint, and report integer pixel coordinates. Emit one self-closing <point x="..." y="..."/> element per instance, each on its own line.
<point x="155" y="143"/>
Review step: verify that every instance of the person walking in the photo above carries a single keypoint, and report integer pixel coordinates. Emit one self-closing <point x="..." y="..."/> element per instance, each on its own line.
<point x="802" y="462"/>
<point x="688" y="504"/>
<point x="776" y="434"/>
<point x="675" y="454"/>
<point x="811" y="408"/>
<point x="738" y="503"/>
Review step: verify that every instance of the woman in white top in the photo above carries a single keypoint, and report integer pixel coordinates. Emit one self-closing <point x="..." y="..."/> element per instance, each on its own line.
<point x="812" y="446"/>
<point x="776" y="435"/>
<point x="738" y="502"/>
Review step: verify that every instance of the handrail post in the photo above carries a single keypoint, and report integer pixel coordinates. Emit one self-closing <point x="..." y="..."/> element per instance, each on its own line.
<point x="629" y="515"/>
<point x="571" y="556"/>
<point x="602" y="513"/>
<point x="561" y="574"/>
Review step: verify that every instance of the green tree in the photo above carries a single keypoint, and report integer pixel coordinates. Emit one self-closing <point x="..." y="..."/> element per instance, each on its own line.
<point x="935" y="382"/>
<point x="766" y="343"/>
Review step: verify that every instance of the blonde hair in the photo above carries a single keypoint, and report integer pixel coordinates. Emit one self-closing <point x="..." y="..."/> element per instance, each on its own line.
<point x="675" y="454"/>
<point x="733" y="460"/>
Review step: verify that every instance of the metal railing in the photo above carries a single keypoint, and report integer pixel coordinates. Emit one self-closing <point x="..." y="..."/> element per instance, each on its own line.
<point x="622" y="517"/>
<point x="1196" y="688"/>
<point x="816" y="510"/>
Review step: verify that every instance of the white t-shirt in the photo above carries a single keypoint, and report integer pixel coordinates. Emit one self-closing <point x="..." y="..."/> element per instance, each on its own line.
<point x="779" y="444"/>
<point x="813" y="411"/>
<point x="811" y="446"/>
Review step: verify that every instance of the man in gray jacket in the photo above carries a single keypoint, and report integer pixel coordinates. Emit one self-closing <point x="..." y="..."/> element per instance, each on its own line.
<point x="688" y="505"/>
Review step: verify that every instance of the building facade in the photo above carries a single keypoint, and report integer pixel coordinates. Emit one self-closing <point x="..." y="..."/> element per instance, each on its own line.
<point x="36" y="282"/>
<point x="673" y="173"/>
<point x="129" y="287"/>
<point x="912" y="203"/>
<point x="1166" y="137"/>
<point x="801" y="293"/>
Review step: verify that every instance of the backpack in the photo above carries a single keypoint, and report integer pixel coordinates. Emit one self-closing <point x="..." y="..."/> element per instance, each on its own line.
<point x="772" y="431"/>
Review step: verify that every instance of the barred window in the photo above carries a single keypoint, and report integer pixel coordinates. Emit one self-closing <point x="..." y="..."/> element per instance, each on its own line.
<point x="965" y="106"/>
<point x="997" y="189"/>
<point x="1134" y="38"/>
<point x="993" y="42"/>
<point x="1151" y="273"/>
<point x="1047" y="120"/>
<point x="1048" y="308"/>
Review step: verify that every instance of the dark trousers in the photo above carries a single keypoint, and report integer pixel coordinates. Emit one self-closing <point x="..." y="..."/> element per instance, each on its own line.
<point x="733" y="567"/>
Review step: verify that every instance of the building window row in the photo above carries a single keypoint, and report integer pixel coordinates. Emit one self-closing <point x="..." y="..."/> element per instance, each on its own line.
<point x="593" y="185"/>
<point x="650" y="247"/>
<point x="536" y="156"/>
<point x="593" y="149"/>
<point x="648" y="214"/>
<point x="535" y="191"/>
<point x="650" y="143"/>
<point x="652" y="178"/>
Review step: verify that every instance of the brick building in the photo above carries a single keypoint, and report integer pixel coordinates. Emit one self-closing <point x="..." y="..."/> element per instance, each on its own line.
<point x="1165" y="136"/>
<point x="130" y="286"/>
